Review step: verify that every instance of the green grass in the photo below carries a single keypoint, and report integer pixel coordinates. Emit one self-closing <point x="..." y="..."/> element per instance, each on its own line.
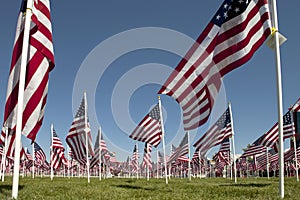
<point x="114" y="188"/>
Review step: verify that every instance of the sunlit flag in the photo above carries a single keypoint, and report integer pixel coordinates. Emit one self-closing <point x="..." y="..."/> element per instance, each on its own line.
<point x="231" y="38"/>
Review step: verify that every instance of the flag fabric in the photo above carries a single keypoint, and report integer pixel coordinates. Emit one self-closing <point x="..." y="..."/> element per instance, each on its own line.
<point x="40" y="62"/>
<point x="270" y="139"/>
<point x="225" y="145"/>
<point x="58" y="156"/>
<point x="98" y="144"/>
<point x="231" y="38"/>
<point x="160" y="157"/>
<point x="39" y="154"/>
<point x="296" y="106"/>
<point x="147" y="157"/>
<point x="134" y="160"/>
<point x="255" y="148"/>
<point x="149" y="129"/>
<point x="181" y="150"/>
<point x="76" y="138"/>
<point x="216" y="134"/>
<point x="28" y="155"/>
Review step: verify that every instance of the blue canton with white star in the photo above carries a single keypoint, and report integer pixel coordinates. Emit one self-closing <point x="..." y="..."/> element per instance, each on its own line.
<point x="224" y="119"/>
<point x="229" y="10"/>
<point x="155" y="113"/>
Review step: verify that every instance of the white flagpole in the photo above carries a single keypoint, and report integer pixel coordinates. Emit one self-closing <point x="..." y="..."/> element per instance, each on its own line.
<point x="268" y="170"/>
<point x="279" y="99"/>
<point x="4" y="152"/>
<point x="163" y="138"/>
<point x="296" y="164"/>
<point x="86" y="129"/>
<point x="189" y="163"/>
<point x="68" y="161"/>
<point x="232" y="140"/>
<point x="33" y="156"/>
<point x="15" y="185"/>
<point x="51" y="153"/>
<point x="100" y="133"/>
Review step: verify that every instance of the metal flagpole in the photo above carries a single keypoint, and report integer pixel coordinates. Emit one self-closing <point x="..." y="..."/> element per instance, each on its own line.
<point x="51" y="153"/>
<point x="189" y="163"/>
<point x="163" y="138"/>
<point x="86" y="129"/>
<point x="232" y="139"/>
<point x="33" y="156"/>
<point x="100" y="133"/>
<point x="68" y="161"/>
<point x="268" y="171"/>
<point x="137" y="160"/>
<point x="279" y="98"/>
<point x="15" y="185"/>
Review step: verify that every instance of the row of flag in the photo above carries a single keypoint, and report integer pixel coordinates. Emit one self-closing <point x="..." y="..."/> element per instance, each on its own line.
<point x="230" y="39"/>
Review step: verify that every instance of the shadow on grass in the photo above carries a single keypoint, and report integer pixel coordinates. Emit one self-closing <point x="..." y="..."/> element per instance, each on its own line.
<point x="132" y="187"/>
<point x="7" y="189"/>
<point x="246" y="185"/>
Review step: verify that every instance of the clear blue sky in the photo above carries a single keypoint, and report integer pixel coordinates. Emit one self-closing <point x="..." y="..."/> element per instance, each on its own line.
<point x="115" y="37"/>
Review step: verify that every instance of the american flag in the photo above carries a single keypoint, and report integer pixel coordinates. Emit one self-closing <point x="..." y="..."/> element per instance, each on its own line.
<point x="225" y="145"/>
<point x="40" y="62"/>
<point x="134" y="160"/>
<point x="39" y="154"/>
<point x="76" y="138"/>
<point x="181" y="150"/>
<point x="231" y="38"/>
<point x="270" y="139"/>
<point x="147" y="157"/>
<point x="58" y="156"/>
<point x="160" y="157"/>
<point x="28" y="155"/>
<point x="216" y="134"/>
<point x="296" y="106"/>
<point x="99" y="144"/>
<point x="255" y="148"/>
<point x="149" y="129"/>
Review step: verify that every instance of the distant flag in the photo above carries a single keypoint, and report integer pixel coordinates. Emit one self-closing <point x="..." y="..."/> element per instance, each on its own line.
<point x="76" y="138"/>
<point x="149" y="130"/>
<point x="216" y="134"/>
<point x="270" y="139"/>
<point x="255" y="148"/>
<point x="160" y="157"/>
<point x="40" y="156"/>
<point x="225" y="145"/>
<point x="134" y="160"/>
<point x="98" y="144"/>
<point x="39" y="64"/>
<point x="147" y="156"/>
<point x="28" y="155"/>
<point x="296" y="106"/>
<point x="231" y="38"/>
<point x="58" y="156"/>
<point x="181" y="150"/>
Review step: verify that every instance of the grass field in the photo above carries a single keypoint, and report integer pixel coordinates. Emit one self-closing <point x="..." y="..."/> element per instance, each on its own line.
<point x="114" y="188"/>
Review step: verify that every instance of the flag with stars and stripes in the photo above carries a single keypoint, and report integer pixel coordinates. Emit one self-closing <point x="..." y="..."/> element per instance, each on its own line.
<point x="231" y="38"/>
<point x="255" y="148"/>
<point x="270" y="139"/>
<point x="181" y="150"/>
<point x="76" y="138"/>
<point x="225" y="145"/>
<point x="149" y="129"/>
<point x="216" y="134"/>
<point x="40" y="61"/>
<point x="147" y="157"/>
<point x="134" y="159"/>
<point x="58" y="155"/>
<point x="39" y="154"/>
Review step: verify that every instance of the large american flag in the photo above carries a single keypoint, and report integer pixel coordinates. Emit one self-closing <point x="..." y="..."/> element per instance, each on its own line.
<point x="58" y="156"/>
<point x="76" y="138"/>
<point x="39" y="154"/>
<point x="147" y="157"/>
<point x="216" y="134"/>
<point x="149" y="129"/>
<point x="231" y="38"/>
<point x="270" y="139"/>
<point x="40" y="62"/>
